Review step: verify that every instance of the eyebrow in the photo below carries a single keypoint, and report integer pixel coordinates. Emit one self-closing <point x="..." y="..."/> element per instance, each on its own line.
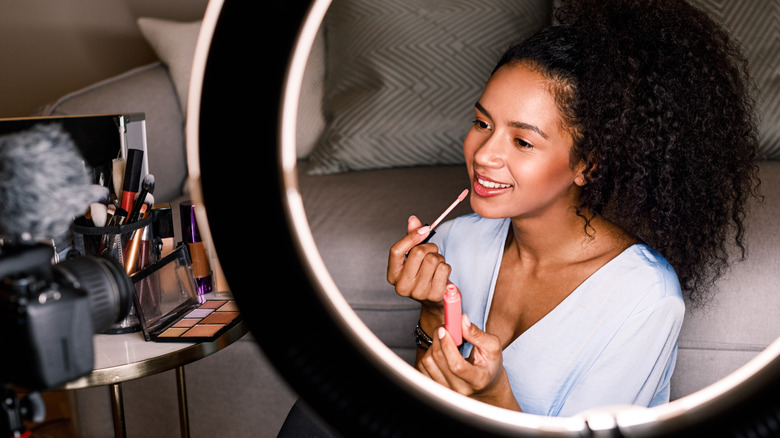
<point x="519" y="125"/>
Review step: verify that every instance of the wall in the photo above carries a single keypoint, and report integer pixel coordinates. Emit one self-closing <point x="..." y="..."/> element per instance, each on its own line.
<point x="52" y="47"/>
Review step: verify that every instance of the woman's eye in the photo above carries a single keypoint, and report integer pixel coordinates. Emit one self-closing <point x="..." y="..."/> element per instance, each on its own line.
<point x="522" y="143"/>
<point x="479" y="124"/>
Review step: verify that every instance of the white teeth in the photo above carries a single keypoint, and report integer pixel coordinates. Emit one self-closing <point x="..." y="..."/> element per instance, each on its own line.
<point x="492" y="185"/>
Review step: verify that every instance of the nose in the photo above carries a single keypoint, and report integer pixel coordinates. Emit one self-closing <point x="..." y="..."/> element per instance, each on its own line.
<point x="488" y="152"/>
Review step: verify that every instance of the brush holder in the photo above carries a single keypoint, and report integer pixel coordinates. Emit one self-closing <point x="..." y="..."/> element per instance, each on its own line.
<point x="133" y="245"/>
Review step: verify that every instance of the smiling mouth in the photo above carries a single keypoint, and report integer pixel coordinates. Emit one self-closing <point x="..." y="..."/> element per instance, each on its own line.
<point x="491" y="184"/>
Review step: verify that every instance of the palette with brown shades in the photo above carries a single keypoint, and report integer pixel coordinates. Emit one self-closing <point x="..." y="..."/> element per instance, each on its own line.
<point x="203" y="323"/>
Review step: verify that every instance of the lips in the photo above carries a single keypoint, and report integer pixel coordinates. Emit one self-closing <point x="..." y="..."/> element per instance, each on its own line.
<point x="487" y="187"/>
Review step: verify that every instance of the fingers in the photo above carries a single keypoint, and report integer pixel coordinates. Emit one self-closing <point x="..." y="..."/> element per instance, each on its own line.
<point x="444" y="364"/>
<point x="424" y="276"/>
<point x="482" y="341"/>
<point x="413" y="224"/>
<point x="416" y="233"/>
<point x="417" y="271"/>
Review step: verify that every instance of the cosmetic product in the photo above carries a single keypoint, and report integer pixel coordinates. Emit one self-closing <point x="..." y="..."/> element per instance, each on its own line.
<point x="118" y="175"/>
<point x="147" y="188"/>
<point x="120" y="214"/>
<point x="99" y="214"/>
<point x="452" y="312"/>
<point x="201" y="267"/>
<point x="179" y="314"/>
<point x="110" y="212"/>
<point x="460" y="198"/>
<point x="132" y="178"/>
<point x="163" y="220"/>
<point x="133" y="247"/>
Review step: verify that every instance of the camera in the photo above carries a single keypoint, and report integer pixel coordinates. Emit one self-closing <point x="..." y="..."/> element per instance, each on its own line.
<point x="50" y="311"/>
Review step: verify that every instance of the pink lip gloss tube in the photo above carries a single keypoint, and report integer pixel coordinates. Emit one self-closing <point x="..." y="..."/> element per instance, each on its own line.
<point x="452" y="311"/>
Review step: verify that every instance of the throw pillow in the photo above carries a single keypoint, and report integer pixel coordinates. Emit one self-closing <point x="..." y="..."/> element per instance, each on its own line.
<point x="403" y="75"/>
<point x="174" y="43"/>
<point x="755" y="26"/>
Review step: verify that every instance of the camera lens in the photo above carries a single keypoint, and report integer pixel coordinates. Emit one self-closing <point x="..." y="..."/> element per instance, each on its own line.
<point x="108" y="287"/>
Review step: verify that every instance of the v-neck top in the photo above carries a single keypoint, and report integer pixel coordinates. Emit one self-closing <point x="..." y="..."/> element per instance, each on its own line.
<point x="612" y="341"/>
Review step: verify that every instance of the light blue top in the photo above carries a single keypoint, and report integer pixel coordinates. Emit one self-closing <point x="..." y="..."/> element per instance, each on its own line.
<point x="612" y="341"/>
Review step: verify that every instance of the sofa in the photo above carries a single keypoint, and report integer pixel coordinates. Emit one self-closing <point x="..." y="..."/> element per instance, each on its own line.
<point x="386" y="100"/>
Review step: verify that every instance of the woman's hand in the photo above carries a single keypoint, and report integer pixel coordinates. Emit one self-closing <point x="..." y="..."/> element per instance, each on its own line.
<point x="423" y="273"/>
<point x="482" y="376"/>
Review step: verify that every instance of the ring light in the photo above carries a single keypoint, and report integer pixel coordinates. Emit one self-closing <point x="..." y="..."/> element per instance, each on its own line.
<point x="241" y="156"/>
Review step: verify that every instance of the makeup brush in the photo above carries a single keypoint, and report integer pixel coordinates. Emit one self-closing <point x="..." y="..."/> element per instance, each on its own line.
<point x="118" y="175"/>
<point x="118" y="218"/>
<point x="147" y="187"/>
<point x="99" y="213"/>
<point x="110" y="212"/>
<point x="110" y="215"/>
<point x="133" y="247"/>
<point x="85" y="220"/>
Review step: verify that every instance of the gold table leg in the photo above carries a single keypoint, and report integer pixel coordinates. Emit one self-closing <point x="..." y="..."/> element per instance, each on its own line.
<point x="184" y="421"/>
<point x="118" y="410"/>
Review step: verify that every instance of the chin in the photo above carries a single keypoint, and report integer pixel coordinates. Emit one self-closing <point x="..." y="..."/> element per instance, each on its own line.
<point x="482" y="210"/>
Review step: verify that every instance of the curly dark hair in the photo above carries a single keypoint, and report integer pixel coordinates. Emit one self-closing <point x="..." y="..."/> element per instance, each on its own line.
<point x="660" y="104"/>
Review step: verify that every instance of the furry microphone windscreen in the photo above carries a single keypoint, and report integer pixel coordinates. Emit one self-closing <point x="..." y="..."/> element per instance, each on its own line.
<point x="43" y="183"/>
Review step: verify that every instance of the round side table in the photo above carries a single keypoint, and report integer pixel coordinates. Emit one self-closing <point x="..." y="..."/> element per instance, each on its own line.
<point x="123" y="357"/>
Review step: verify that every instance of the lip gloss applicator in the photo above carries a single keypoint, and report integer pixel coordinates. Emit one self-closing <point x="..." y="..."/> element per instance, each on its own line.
<point x="461" y="197"/>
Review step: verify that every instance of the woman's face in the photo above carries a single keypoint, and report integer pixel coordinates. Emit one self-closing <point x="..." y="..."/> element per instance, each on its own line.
<point x="517" y="150"/>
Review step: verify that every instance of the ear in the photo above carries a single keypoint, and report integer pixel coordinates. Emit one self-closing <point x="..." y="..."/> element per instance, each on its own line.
<point x="584" y="169"/>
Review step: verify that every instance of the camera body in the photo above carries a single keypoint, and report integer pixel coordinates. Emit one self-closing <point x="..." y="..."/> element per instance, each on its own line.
<point x="50" y="312"/>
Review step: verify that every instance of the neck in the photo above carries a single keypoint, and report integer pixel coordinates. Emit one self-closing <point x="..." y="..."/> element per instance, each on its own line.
<point x="558" y="238"/>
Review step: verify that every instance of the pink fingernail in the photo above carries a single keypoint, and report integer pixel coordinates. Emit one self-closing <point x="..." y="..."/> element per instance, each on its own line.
<point x="424" y="230"/>
<point x="442" y="332"/>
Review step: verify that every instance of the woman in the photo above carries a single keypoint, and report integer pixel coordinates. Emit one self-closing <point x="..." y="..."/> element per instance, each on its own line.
<point x="611" y="160"/>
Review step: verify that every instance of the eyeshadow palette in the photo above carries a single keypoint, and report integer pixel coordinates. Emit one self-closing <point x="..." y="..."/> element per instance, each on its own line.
<point x="169" y="308"/>
<point x="205" y="322"/>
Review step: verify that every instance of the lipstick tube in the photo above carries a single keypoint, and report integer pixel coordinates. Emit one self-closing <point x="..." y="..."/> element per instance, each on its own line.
<point x="201" y="268"/>
<point x="452" y="312"/>
<point x="132" y="178"/>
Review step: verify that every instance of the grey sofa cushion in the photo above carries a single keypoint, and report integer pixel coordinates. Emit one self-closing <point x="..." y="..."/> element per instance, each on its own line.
<point x="741" y="319"/>
<point x="147" y="89"/>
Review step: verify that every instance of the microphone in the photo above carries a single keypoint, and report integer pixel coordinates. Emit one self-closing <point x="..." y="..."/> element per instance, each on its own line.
<point x="43" y="183"/>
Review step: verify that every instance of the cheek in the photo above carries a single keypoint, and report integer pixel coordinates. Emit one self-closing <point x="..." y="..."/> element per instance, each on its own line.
<point x="470" y="146"/>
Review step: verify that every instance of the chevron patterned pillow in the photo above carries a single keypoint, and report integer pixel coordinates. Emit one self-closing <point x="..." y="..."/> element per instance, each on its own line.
<point x="403" y="75"/>
<point x="755" y="25"/>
